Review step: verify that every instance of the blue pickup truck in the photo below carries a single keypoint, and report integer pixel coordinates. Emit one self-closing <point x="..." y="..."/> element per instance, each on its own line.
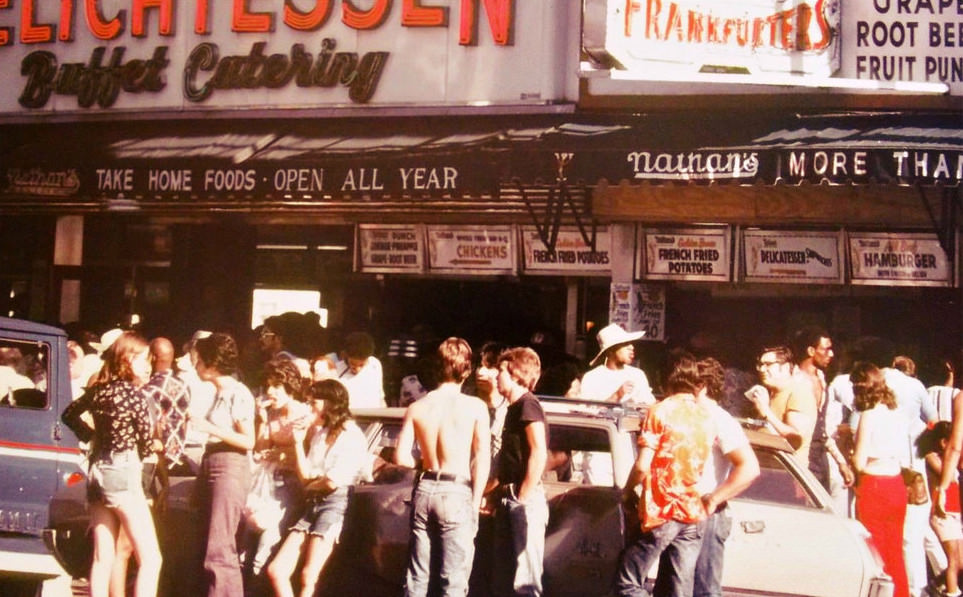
<point x="38" y="455"/>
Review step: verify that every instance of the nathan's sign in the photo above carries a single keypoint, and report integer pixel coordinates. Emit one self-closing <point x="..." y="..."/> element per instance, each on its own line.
<point x="744" y="36"/>
<point x="898" y="260"/>
<point x="131" y="54"/>
<point x="571" y="253"/>
<point x="688" y="254"/>
<point x="696" y="165"/>
<point x="795" y="257"/>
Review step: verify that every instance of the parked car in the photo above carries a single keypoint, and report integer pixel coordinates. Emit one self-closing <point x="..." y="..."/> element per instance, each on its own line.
<point x="38" y="456"/>
<point x="786" y="538"/>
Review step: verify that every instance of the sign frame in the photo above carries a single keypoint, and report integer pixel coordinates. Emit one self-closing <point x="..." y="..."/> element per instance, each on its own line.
<point x="808" y="254"/>
<point x="644" y="270"/>
<point x="854" y="239"/>
<point x="436" y="245"/>
<point x="415" y="234"/>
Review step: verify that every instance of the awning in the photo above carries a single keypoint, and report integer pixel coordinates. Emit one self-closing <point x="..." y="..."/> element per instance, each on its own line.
<point x="439" y="162"/>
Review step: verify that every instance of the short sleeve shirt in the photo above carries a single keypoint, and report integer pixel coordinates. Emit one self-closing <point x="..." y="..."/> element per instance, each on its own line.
<point x="232" y="404"/>
<point x="682" y="433"/>
<point x="344" y="461"/>
<point x="730" y="437"/>
<point x="797" y="397"/>
<point x="601" y="382"/>
<point x="515" y="451"/>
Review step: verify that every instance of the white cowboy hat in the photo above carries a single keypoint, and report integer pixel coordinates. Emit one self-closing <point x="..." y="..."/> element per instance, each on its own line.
<point x="107" y="340"/>
<point x="611" y="336"/>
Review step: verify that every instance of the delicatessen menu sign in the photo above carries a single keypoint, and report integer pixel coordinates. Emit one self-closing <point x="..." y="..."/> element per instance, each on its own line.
<point x="391" y="248"/>
<point x="687" y="254"/>
<point x="795" y="257"/>
<point x="464" y="249"/>
<point x="898" y="260"/>
<point x="572" y="254"/>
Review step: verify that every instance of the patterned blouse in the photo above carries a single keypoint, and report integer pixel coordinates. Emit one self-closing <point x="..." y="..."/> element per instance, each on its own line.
<point x="121" y="418"/>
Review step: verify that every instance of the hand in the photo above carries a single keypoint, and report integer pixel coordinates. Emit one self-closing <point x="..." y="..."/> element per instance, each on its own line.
<point x="626" y="389"/>
<point x="710" y="504"/>
<point x="759" y="396"/>
<point x="939" y="502"/>
<point x="849" y="478"/>
<point x="300" y="432"/>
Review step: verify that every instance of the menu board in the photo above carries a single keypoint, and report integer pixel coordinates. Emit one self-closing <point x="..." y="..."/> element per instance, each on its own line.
<point x="898" y="260"/>
<point x="471" y="249"/>
<point x="391" y="248"/>
<point x="700" y="254"/>
<point x="572" y="255"/>
<point x="794" y="257"/>
<point x="638" y="307"/>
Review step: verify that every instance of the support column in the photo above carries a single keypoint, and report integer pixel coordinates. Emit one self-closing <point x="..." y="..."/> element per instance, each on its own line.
<point x="69" y="251"/>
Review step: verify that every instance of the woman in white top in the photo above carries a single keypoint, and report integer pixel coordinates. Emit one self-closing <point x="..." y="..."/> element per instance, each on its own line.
<point x="335" y="461"/>
<point x="881" y="439"/>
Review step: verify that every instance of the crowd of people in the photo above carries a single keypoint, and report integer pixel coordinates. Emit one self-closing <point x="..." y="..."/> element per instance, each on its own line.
<point x="267" y="428"/>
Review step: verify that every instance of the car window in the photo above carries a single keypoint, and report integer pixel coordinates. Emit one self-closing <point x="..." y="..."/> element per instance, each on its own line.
<point x="777" y="484"/>
<point x="579" y="455"/>
<point x="23" y="374"/>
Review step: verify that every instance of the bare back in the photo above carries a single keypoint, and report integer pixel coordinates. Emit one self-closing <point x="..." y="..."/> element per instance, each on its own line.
<point x="446" y="423"/>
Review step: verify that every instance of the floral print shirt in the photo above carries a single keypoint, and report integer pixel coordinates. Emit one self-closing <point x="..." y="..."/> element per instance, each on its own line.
<point x="681" y="433"/>
<point x="121" y="418"/>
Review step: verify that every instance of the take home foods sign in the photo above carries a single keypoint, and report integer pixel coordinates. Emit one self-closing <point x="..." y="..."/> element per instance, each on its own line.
<point x="117" y="54"/>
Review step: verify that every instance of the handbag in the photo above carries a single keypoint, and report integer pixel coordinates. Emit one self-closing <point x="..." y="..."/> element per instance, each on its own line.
<point x="916" y="490"/>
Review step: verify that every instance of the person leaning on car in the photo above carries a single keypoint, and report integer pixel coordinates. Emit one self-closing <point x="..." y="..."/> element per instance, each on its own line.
<point x="453" y="434"/>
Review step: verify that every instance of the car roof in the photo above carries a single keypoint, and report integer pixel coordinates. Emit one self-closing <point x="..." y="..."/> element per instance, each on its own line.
<point x="559" y="410"/>
<point x="23" y="325"/>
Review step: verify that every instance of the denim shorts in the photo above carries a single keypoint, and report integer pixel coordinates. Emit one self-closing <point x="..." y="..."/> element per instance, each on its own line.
<point x="115" y="477"/>
<point x="324" y="516"/>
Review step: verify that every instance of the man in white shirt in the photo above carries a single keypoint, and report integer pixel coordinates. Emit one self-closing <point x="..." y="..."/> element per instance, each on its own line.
<point x="361" y="372"/>
<point x="613" y="378"/>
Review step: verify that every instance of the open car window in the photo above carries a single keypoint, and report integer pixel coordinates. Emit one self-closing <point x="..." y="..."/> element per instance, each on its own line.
<point x="777" y="484"/>
<point x="579" y="455"/>
<point x="23" y="374"/>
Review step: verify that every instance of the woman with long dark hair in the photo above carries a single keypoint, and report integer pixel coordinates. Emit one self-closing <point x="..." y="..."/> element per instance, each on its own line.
<point x="881" y="437"/>
<point x="224" y="478"/>
<point x="121" y="437"/>
<point x="335" y="461"/>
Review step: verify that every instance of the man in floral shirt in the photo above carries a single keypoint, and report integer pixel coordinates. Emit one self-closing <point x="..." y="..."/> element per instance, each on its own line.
<point x="675" y="441"/>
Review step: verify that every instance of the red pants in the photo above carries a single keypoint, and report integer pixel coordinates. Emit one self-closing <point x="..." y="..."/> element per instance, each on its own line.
<point x="881" y="507"/>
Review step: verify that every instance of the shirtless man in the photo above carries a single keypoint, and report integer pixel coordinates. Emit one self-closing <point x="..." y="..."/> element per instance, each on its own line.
<point x="452" y="432"/>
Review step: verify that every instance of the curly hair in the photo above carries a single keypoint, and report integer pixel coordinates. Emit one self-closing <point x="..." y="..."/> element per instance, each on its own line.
<point x="869" y="387"/>
<point x="284" y="373"/>
<point x="117" y="358"/>
<point x="336" y="400"/>
<point x="712" y="376"/>
<point x="684" y="377"/>
<point x="219" y="352"/>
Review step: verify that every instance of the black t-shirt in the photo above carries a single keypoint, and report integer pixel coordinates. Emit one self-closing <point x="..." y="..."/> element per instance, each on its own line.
<point x="513" y="458"/>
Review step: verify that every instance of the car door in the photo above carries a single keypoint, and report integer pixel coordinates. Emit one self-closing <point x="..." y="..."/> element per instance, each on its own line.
<point x="785" y="540"/>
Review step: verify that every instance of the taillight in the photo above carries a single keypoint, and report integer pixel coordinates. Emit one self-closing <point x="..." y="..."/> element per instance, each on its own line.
<point x="75" y="478"/>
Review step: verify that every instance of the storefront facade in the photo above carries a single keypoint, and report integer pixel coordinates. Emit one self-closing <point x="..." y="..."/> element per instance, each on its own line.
<point x="480" y="168"/>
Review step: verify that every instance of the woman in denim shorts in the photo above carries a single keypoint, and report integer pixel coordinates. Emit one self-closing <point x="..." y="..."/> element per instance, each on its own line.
<point x="336" y="460"/>
<point x="121" y="437"/>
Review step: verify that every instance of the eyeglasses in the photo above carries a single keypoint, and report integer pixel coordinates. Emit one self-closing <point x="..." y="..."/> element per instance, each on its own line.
<point x="267" y="334"/>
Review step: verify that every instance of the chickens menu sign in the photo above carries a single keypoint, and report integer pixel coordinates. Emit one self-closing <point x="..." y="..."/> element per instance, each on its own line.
<point x="90" y="55"/>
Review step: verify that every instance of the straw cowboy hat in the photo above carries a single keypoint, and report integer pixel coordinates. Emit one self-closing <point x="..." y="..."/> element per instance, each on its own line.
<point x="613" y="336"/>
<point x="107" y="340"/>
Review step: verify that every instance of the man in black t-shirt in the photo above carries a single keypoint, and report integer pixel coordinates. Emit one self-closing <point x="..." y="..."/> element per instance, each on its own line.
<point x="521" y="514"/>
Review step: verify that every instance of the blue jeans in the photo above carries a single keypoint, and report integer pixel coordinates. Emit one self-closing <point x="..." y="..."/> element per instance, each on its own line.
<point x="708" y="570"/>
<point x="680" y="541"/>
<point x="443" y="521"/>
<point x="519" y="530"/>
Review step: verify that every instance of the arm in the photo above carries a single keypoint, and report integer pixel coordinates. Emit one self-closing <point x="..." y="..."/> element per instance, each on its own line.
<point x="72" y="416"/>
<point x="860" y="456"/>
<point x="535" y="435"/>
<point x="951" y="458"/>
<point x="406" y="439"/>
<point x="745" y="469"/>
<point x="481" y="457"/>
<point x="640" y="470"/>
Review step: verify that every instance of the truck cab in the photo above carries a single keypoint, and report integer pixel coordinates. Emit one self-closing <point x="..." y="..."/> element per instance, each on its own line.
<point x="38" y="456"/>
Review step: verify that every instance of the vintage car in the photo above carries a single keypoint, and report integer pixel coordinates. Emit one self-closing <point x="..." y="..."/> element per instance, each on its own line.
<point x="786" y="539"/>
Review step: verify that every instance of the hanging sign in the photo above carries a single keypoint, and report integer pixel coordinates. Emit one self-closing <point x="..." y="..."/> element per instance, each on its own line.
<point x="700" y="254"/>
<point x="471" y="249"/>
<point x="638" y="308"/>
<point x="794" y="257"/>
<point x="391" y="249"/>
<point x="572" y="255"/>
<point x="898" y="260"/>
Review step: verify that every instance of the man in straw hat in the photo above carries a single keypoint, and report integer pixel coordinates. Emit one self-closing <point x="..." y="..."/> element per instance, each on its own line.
<point x="613" y="378"/>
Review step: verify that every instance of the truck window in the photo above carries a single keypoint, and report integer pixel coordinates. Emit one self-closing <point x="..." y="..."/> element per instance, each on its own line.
<point x="581" y="455"/>
<point x="777" y="484"/>
<point x="23" y="374"/>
